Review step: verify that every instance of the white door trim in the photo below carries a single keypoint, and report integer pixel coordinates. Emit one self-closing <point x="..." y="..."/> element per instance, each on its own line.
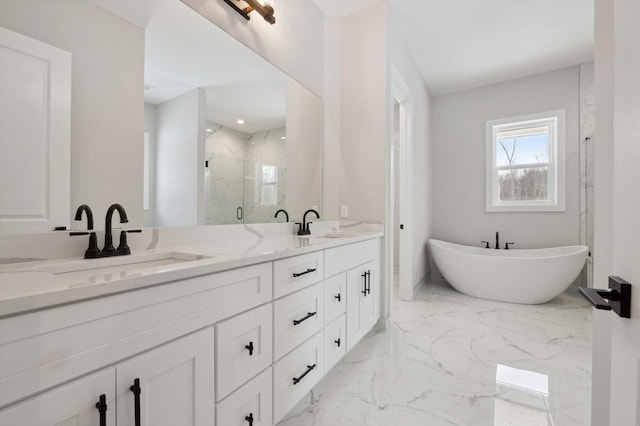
<point x="400" y="93"/>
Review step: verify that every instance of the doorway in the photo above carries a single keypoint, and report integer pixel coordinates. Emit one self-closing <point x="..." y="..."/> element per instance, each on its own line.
<point x="399" y="216"/>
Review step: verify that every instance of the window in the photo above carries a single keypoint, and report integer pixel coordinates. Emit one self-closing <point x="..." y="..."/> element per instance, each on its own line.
<point x="268" y="181"/>
<point x="525" y="163"/>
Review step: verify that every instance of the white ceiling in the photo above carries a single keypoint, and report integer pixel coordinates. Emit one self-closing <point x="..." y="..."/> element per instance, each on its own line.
<point x="461" y="44"/>
<point x="184" y="51"/>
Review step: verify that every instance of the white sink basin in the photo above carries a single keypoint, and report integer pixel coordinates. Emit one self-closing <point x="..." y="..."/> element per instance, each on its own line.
<point x="89" y="271"/>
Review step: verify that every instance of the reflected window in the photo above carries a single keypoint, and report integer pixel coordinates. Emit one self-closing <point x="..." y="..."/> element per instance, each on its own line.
<point x="268" y="185"/>
<point x="146" y="192"/>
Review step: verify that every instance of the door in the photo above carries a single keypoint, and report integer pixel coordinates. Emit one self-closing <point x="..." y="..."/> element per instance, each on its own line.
<point x="617" y="180"/>
<point x="174" y="383"/>
<point x="34" y="134"/>
<point x="67" y="405"/>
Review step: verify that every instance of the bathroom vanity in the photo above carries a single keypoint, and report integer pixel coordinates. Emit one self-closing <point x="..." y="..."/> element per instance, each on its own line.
<point x="194" y="335"/>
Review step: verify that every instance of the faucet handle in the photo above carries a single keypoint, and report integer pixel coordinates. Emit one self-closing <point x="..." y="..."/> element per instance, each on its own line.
<point x="506" y="245"/>
<point x="93" y="251"/>
<point x="486" y="244"/>
<point x="123" y="248"/>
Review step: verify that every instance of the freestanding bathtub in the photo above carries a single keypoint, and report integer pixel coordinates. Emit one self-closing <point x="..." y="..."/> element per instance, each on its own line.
<point x="520" y="276"/>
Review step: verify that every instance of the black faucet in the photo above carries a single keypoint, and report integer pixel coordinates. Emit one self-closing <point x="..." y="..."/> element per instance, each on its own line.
<point x="497" y="240"/>
<point x="286" y="215"/>
<point x="85" y="208"/>
<point x="304" y="226"/>
<point x="123" y="248"/>
<point x="92" y="251"/>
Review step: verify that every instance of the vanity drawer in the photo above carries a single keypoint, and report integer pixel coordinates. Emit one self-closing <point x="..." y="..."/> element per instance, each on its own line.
<point x="296" y="318"/>
<point x="295" y="375"/>
<point x="253" y="401"/>
<point x="340" y="259"/>
<point x="243" y="348"/>
<point x="297" y="272"/>
<point x="335" y="297"/>
<point x="334" y="342"/>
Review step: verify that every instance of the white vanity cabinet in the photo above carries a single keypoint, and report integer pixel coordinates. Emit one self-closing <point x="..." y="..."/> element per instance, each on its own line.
<point x="357" y="265"/>
<point x="237" y="347"/>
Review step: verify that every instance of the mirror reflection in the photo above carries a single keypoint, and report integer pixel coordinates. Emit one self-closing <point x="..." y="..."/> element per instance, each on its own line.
<point x="228" y="138"/>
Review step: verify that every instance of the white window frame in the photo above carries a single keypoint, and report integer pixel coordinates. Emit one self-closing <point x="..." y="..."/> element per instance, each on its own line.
<point x="556" y="173"/>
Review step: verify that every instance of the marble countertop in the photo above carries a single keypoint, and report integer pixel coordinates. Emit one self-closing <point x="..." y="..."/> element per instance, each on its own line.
<point x="37" y="285"/>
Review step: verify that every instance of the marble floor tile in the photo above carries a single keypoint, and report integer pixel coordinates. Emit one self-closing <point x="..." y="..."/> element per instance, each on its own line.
<point x="450" y="359"/>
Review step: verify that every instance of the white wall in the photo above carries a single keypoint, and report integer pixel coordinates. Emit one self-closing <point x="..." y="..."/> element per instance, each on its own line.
<point x="458" y="172"/>
<point x="304" y="150"/>
<point x="180" y="160"/>
<point x="331" y="159"/>
<point x="402" y="59"/>
<point x="107" y="113"/>
<point x="294" y="44"/>
<point x="363" y="108"/>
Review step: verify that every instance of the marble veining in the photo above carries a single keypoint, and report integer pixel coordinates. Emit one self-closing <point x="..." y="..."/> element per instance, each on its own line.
<point x="450" y="359"/>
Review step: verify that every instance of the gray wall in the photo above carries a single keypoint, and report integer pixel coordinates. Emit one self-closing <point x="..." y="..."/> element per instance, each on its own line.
<point x="458" y="171"/>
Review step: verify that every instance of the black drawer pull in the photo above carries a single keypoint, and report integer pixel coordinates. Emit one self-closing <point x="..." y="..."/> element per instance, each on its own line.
<point x="249" y="347"/>
<point x="249" y="418"/>
<point x="299" y="274"/>
<point x="337" y="296"/>
<point x="337" y="342"/>
<point x="297" y="380"/>
<point x="368" y="273"/>
<point x="309" y="315"/>
<point x="101" y="405"/>
<point x="137" y="390"/>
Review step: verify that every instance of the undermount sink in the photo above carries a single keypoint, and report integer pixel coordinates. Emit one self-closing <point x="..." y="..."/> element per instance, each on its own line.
<point x="118" y="267"/>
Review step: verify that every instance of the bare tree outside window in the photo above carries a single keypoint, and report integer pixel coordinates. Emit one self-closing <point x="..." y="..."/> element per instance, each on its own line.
<point x="525" y="170"/>
<point x="523" y="167"/>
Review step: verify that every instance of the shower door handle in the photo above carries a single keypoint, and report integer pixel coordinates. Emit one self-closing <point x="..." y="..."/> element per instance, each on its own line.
<point x="239" y="213"/>
<point x="618" y="296"/>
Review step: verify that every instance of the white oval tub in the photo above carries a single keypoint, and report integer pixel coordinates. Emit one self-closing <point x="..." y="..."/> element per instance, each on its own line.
<point x="520" y="276"/>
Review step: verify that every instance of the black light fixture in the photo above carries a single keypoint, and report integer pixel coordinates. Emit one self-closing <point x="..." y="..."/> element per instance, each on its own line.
<point x="263" y="7"/>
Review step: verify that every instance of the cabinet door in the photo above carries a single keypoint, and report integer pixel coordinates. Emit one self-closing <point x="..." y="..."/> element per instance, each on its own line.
<point x="368" y="310"/>
<point x="73" y="404"/>
<point x="360" y="303"/>
<point x="176" y="383"/>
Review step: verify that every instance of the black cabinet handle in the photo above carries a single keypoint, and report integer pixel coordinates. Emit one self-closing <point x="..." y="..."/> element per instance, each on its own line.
<point x="337" y="342"/>
<point x="101" y="405"/>
<point x="364" y="275"/>
<point x="297" y="380"/>
<point x="249" y="418"/>
<point x="368" y="278"/>
<point x="249" y="347"/>
<point x="299" y="274"/>
<point x="337" y="296"/>
<point x="137" y="390"/>
<point x="309" y="315"/>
